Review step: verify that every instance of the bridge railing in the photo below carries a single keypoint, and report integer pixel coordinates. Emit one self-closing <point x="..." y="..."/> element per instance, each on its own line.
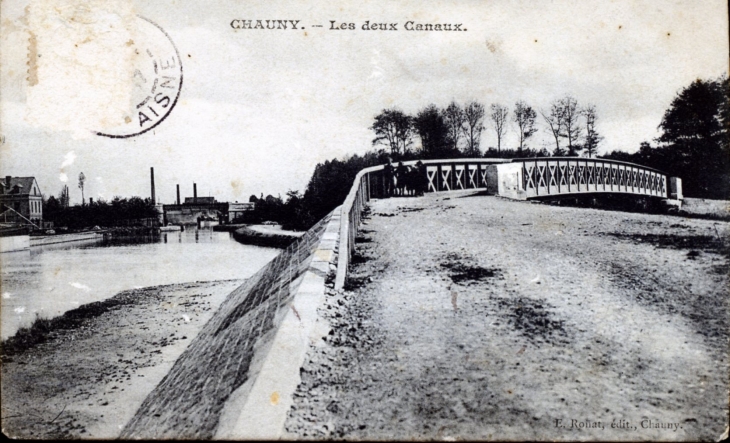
<point x="557" y="176"/>
<point x="352" y="208"/>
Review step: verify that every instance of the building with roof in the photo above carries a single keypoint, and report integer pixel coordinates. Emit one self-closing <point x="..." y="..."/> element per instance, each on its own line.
<point x="21" y="201"/>
<point x="200" y="201"/>
<point x="194" y="210"/>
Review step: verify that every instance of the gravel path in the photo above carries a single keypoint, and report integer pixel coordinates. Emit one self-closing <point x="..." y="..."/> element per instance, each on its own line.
<point x="474" y="317"/>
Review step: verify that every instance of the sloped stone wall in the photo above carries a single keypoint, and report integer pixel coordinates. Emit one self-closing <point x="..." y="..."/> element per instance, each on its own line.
<point x="188" y="402"/>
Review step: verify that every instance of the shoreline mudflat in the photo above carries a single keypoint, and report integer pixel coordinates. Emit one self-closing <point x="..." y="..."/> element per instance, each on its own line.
<point x="88" y="374"/>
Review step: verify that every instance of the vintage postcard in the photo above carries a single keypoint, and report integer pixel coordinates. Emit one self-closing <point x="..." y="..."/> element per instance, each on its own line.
<point x="365" y="220"/>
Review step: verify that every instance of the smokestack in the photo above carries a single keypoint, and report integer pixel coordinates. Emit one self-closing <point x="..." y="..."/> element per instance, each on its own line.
<point x="195" y="193"/>
<point x="152" y="181"/>
<point x="178" y="194"/>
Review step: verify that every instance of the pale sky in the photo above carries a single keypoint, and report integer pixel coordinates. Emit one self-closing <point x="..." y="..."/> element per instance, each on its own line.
<point x="260" y="108"/>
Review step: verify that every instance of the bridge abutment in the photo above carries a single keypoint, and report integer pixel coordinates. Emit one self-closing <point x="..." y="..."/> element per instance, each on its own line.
<point x="675" y="192"/>
<point x="506" y="179"/>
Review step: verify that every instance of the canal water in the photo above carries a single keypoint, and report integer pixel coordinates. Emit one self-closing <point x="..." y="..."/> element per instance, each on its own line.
<point x="47" y="281"/>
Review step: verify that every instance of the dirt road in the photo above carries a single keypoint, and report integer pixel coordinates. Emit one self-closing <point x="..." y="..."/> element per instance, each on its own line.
<point x="475" y="317"/>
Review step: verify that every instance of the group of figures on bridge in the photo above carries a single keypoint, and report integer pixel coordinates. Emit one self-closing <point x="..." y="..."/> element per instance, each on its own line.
<point x="405" y="179"/>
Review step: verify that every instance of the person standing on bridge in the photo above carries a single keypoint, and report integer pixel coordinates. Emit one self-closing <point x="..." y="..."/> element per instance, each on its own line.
<point x="420" y="179"/>
<point x="401" y="174"/>
<point x="389" y="176"/>
<point x="410" y="181"/>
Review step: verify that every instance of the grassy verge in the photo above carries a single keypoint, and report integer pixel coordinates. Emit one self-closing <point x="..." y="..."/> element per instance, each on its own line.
<point x="44" y="328"/>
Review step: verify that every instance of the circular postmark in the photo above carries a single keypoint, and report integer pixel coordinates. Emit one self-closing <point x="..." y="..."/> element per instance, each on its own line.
<point x="157" y="77"/>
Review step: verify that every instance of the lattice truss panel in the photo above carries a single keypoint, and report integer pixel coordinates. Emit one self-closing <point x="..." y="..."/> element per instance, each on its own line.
<point x="454" y="176"/>
<point x="431" y="172"/>
<point x="553" y="177"/>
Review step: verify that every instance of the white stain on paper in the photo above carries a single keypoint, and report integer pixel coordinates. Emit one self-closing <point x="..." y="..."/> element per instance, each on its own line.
<point x="79" y="54"/>
<point x="80" y="286"/>
<point x="68" y="160"/>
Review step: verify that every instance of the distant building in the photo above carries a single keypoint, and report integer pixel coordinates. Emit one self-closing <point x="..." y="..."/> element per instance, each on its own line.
<point x="200" y="200"/>
<point x="236" y="210"/>
<point x="195" y="209"/>
<point x="21" y="201"/>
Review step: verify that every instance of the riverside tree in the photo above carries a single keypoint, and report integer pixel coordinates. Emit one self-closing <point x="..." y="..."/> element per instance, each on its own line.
<point x="454" y="118"/>
<point x="394" y="129"/>
<point x="118" y="212"/>
<point x="431" y="127"/>
<point x="499" y="115"/>
<point x="592" y="137"/>
<point x="695" y="138"/>
<point x="571" y="125"/>
<point x="524" y="116"/>
<point x="473" y="127"/>
<point x="554" y="119"/>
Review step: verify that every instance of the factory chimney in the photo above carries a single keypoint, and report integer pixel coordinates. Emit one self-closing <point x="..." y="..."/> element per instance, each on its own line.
<point x="195" y="193"/>
<point x="152" y="182"/>
<point x="178" y="194"/>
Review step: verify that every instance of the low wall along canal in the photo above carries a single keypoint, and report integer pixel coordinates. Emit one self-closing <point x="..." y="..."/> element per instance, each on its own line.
<point x="237" y="378"/>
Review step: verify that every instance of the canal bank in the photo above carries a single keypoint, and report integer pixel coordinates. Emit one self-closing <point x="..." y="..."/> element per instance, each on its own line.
<point x="259" y="235"/>
<point x="42" y="240"/>
<point x="87" y="373"/>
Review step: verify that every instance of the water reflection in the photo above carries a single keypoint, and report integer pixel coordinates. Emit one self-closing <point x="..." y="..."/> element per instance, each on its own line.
<point x="52" y="279"/>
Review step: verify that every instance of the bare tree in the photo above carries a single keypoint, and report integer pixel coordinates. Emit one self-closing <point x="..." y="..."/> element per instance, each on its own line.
<point x="394" y="129"/>
<point x="473" y="127"/>
<point x="592" y="137"/>
<point x="524" y="116"/>
<point x="571" y="125"/>
<point x="499" y="115"/>
<point x="554" y="120"/>
<point x="82" y="179"/>
<point x="454" y="117"/>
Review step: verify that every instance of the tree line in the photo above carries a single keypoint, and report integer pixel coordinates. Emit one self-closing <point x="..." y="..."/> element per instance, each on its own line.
<point x="455" y="131"/>
<point x="101" y="213"/>
<point x="327" y="188"/>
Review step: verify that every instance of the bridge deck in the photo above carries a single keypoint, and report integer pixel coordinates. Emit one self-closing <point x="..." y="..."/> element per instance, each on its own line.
<point x="478" y="317"/>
